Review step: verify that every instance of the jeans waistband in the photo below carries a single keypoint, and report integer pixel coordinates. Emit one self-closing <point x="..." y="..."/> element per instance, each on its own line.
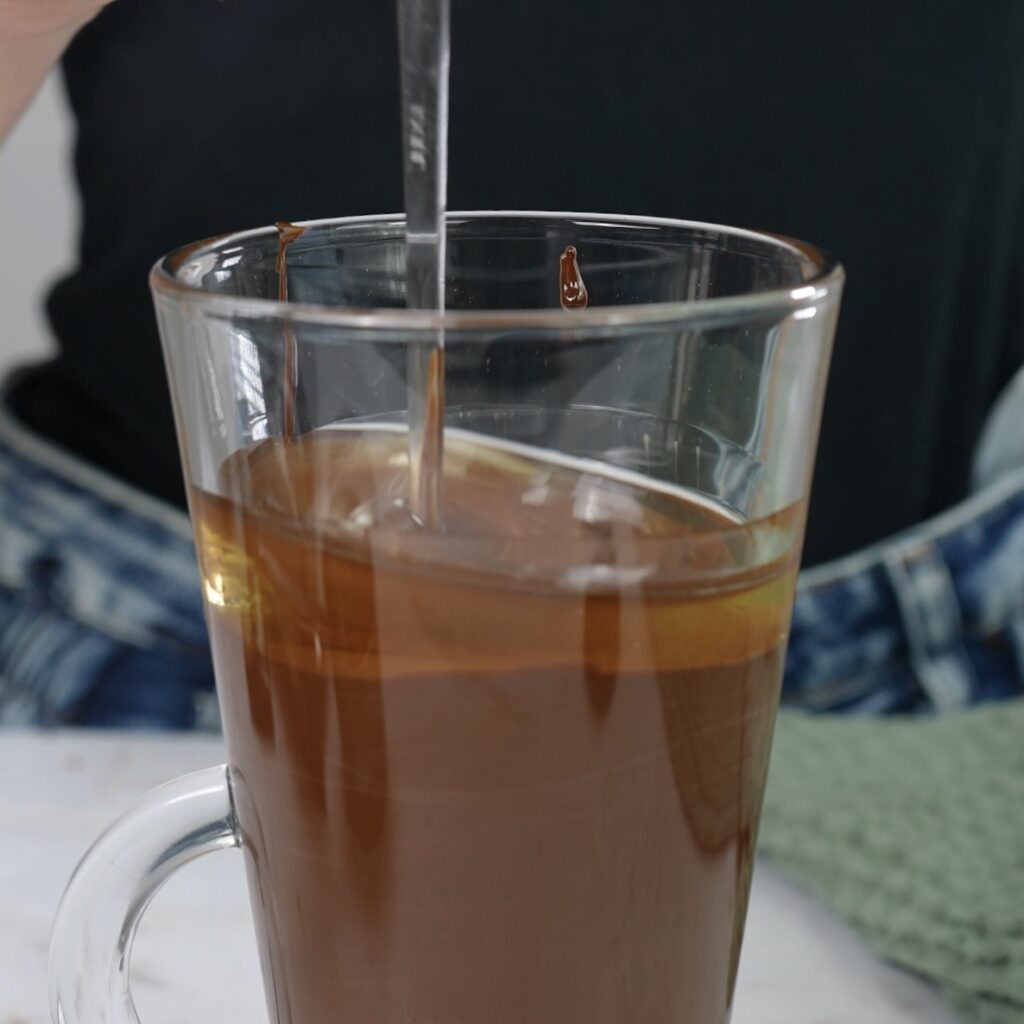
<point x="929" y="620"/>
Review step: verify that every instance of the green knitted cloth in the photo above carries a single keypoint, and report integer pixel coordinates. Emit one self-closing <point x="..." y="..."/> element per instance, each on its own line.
<point x="913" y="830"/>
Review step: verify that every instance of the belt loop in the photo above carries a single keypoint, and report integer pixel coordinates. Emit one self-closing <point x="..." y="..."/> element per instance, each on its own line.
<point x="933" y="624"/>
<point x="1015" y="630"/>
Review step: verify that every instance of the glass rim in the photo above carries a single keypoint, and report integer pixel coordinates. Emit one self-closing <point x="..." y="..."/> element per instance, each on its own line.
<point x="825" y="281"/>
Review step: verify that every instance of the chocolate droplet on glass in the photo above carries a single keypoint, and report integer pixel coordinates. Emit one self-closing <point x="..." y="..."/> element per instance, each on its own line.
<point x="286" y="234"/>
<point x="572" y="290"/>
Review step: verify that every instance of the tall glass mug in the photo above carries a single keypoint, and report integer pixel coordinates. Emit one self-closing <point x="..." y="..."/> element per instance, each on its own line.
<point x="506" y="765"/>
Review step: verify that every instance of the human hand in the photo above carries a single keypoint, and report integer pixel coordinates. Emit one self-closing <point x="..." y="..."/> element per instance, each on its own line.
<point x="45" y="17"/>
<point x="33" y="34"/>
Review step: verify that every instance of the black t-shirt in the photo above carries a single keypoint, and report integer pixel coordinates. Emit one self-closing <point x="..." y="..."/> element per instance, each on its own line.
<point x="892" y="134"/>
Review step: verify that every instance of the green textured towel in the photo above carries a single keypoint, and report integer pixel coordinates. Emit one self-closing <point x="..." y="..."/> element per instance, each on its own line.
<point x="913" y="830"/>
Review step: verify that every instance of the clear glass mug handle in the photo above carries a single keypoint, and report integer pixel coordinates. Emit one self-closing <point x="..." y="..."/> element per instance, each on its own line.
<point x="113" y="884"/>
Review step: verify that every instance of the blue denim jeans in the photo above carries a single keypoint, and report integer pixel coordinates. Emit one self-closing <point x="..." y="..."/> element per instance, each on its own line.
<point x="101" y="621"/>
<point x="928" y="621"/>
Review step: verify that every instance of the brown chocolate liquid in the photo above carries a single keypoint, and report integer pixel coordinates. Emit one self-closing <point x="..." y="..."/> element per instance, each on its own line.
<point x="509" y="773"/>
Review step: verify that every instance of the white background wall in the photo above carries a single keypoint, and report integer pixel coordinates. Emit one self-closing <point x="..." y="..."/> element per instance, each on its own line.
<point x="38" y="221"/>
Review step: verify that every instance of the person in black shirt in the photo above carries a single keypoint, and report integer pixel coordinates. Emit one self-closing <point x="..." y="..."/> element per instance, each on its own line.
<point x="891" y="134"/>
<point x="888" y="134"/>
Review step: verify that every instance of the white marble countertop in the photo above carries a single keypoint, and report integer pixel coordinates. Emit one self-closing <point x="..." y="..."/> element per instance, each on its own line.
<point x="195" y="958"/>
